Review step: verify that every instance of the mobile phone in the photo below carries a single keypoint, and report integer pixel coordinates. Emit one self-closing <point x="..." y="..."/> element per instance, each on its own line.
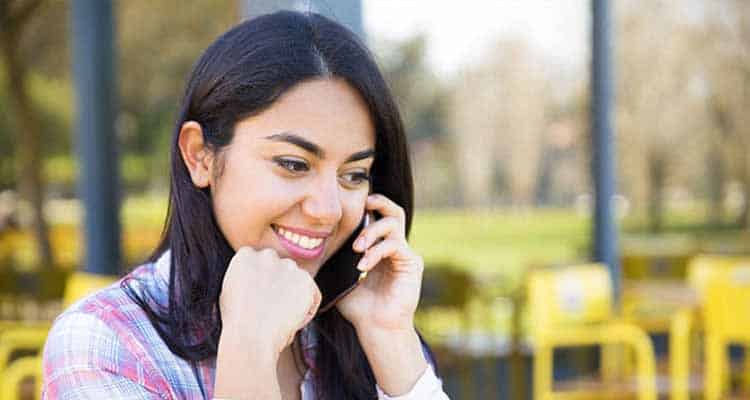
<point x="339" y="275"/>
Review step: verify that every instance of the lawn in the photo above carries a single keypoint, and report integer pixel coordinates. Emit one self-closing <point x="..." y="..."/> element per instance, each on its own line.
<point x="493" y="247"/>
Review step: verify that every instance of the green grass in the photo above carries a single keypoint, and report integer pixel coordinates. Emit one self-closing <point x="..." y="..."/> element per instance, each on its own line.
<point x="495" y="247"/>
<point x="499" y="245"/>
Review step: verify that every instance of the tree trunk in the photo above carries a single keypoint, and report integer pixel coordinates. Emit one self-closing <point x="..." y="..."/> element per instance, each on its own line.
<point x="716" y="180"/>
<point x="656" y="180"/>
<point x="743" y="219"/>
<point x="28" y="156"/>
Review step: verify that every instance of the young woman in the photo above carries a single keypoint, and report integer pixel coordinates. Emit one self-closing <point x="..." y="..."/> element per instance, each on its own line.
<point x="287" y="137"/>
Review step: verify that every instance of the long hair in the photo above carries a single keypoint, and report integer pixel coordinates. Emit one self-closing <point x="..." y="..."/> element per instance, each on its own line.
<point x="241" y="74"/>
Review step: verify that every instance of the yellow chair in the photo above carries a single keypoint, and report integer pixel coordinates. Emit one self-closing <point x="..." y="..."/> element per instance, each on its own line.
<point x="726" y="321"/>
<point x="31" y="336"/>
<point x="20" y="339"/>
<point x="573" y="307"/>
<point x="82" y="283"/>
<point x="12" y="379"/>
<point x="702" y="270"/>
<point x="6" y="325"/>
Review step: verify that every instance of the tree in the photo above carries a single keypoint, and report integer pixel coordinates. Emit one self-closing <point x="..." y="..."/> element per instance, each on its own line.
<point x="726" y="40"/>
<point x="499" y="109"/>
<point x="15" y="16"/>
<point x="656" y="106"/>
<point x="422" y="100"/>
<point x="158" y="44"/>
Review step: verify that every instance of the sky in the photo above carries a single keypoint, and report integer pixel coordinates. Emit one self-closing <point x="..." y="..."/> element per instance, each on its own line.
<point x="459" y="33"/>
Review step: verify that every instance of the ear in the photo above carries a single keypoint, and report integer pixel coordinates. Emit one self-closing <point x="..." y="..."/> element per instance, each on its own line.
<point x="197" y="157"/>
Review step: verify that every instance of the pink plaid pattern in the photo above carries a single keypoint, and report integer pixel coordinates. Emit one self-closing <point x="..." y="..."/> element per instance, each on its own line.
<point x="105" y="347"/>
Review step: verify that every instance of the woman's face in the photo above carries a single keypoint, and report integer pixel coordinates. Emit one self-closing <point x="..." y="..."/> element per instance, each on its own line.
<point x="296" y="177"/>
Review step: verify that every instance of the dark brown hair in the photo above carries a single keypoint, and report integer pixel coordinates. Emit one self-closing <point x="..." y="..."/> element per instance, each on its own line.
<point x="241" y="74"/>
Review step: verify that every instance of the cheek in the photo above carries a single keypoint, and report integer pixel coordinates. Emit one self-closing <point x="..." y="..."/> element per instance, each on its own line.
<point x="246" y="205"/>
<point x="353" y="213"/>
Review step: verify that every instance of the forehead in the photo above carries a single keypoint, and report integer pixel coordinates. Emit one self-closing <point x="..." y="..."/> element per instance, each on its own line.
<point x="327" y="112"/>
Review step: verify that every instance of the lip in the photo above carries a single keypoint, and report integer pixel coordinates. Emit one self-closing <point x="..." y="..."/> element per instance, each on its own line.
<point x="300" y="252"/>
<point x="312" y="234"/>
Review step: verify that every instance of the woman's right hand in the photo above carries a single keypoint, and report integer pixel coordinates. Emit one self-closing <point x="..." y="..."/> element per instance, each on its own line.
<point x="266" y="299"/>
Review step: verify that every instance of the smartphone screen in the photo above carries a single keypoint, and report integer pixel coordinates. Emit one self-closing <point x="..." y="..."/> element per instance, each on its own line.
<point x="339" y="275"/>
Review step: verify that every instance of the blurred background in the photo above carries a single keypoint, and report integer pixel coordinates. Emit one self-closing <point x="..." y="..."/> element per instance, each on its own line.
<point x="497" y="102"/>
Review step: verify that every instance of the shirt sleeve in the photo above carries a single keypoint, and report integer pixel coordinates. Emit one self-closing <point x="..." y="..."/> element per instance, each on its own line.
<point x="428" y="387"/>
<point x="85" y="359"/>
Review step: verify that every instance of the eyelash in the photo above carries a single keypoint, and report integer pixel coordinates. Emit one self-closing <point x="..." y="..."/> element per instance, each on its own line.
<point x="291" y="165"/>
<point x="358" y="178"/>
<point x="298" y="166"/>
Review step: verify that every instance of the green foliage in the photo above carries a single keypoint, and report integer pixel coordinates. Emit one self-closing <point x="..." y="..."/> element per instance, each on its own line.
<point x="53" y="98"/>
<point x="421" y="99"/>
<point x="61" y="172"/>
<point x="499" y="244"/>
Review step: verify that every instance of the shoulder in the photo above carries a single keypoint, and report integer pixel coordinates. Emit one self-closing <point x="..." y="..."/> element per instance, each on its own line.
<point x="106" y="332"/>
<point x="111" y="307"/>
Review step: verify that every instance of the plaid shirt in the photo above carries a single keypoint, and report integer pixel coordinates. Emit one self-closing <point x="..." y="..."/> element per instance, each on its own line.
<point x="105" y="347"/>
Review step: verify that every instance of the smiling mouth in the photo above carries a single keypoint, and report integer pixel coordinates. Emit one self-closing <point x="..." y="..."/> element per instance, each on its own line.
<point x="298" y="245"/>
<point x="305" y="242"/>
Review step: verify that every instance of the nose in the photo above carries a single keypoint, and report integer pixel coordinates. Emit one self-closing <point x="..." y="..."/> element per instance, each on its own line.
<point x="323" y="201"/>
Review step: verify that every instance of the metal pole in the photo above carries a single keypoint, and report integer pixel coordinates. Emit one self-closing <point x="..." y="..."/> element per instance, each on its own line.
<point x="93" y="68"/>
<point x="605" y="248"/>
<point x="254" y="8"/>
<point x="346" y="12"/>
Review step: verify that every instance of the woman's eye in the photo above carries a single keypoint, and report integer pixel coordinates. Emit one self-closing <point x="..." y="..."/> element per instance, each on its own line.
<point x="356" y="178"/>
<point x="292" y="165"/>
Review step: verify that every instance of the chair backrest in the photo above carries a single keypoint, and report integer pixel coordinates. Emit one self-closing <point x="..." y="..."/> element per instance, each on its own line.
<point x="13" y="378"/>
<point x="702" y="268"/>
<point x="726" y="300"/>
<point x="82" y="283"/>
<point x="656" y="257"/>
<point x="571" y="295"/>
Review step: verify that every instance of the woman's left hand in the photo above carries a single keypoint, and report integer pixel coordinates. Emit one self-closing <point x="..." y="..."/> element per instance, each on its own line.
<point x="387" y="298"/>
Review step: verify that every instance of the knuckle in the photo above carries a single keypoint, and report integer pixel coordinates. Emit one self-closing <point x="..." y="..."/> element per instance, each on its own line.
<point x="244" y="251"/>
<point x="374" y="252"/>
<point x="419" y="261"/>
<point x="399" y="210"/>
<point x="316" y="294"/>
<point x="267" y="252"/>
<point x="298" y="273"/>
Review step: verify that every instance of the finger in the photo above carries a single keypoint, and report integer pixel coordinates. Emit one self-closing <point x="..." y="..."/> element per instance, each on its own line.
<point x="316" y="298"/>
<point x="382" y="228"/>
<point x="386" y="207"/>
<point x="397" y="249"/>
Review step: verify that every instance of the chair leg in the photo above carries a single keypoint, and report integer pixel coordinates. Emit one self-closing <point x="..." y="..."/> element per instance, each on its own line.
<point x="613" y="358"/>
<point x="715" y="359"/>
<point x="679" y="355"/>
<point x="543" y="372"/>
<point x="746" y="369"/>
<point x="646" y="370"/>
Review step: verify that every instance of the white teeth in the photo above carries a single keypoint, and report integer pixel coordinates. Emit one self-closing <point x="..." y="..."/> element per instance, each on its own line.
<point x="300" y="240"/>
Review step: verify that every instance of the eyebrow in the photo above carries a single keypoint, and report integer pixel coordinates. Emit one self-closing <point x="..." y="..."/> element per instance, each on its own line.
<point x="313" y="148"/>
